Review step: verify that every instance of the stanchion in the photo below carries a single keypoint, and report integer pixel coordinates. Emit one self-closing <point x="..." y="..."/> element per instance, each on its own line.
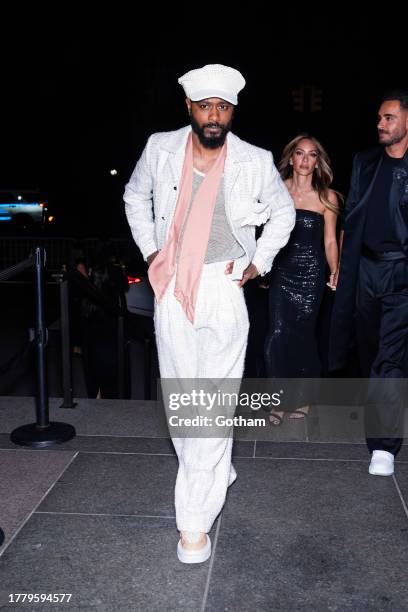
<point x="147" y="368"/>
<point x="41" y="434"/>
<point x="1" y="537"/>
<point x="121" y="357"/>
<point x="66" y="347"/>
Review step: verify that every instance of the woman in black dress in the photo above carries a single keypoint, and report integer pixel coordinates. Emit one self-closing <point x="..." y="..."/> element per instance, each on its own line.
<point x="298" y="275"/>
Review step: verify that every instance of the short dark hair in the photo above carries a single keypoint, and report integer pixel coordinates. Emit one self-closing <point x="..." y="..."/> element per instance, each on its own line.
<point x="397" y="94"/>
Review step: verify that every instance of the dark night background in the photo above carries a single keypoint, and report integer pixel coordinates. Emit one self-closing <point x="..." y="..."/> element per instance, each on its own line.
<point x="83" y="94"/>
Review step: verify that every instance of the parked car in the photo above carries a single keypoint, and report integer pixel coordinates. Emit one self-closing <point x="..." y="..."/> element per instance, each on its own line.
<point x="140" y="296"/>
<point x="24" y="208"/>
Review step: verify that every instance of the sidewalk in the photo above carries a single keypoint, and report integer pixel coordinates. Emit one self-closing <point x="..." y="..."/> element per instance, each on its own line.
<point x="304" y="526"/>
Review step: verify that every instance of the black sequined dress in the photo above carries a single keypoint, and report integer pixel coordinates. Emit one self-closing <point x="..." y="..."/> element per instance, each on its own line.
<point x="297" y="282"/>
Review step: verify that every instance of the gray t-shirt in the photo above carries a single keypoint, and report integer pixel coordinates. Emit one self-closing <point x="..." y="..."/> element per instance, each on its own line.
<point x="222" y="246"/>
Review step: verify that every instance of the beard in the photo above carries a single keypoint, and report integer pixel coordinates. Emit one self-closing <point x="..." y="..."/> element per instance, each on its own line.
<point x="388" y="141"/>
<point x="211" y="142"/>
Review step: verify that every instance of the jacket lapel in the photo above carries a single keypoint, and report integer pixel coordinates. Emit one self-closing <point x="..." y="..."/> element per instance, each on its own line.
<point x="368" y="174"/>
<point x="236" y="154"/>
<point x="175" y="146"/>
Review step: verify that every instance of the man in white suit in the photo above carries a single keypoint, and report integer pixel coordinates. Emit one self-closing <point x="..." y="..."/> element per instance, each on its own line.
<point x="192" y="203"/>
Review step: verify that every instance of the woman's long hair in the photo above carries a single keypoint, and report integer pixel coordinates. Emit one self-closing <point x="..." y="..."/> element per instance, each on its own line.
<point x="322" y="176"/>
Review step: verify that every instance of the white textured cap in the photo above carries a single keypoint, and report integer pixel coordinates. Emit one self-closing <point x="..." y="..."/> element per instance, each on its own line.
<point x="213" y="81"/>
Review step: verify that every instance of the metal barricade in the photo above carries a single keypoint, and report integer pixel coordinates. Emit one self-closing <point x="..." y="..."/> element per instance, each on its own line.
<point x="42" y="433"/>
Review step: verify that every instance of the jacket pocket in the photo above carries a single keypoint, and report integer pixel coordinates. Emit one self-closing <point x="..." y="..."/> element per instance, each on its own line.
<point x="164" y="199"/>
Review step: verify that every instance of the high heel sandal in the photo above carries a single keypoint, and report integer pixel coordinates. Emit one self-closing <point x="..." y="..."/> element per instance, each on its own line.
<point x="300" y="413"/>
<point x="276" y="418"/>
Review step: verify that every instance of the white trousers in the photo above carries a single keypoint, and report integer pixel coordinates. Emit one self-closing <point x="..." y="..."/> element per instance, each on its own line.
<point x="213" y="348"/>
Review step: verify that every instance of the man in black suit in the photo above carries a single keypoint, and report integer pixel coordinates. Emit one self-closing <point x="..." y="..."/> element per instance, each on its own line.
<point x="373" y="278"/>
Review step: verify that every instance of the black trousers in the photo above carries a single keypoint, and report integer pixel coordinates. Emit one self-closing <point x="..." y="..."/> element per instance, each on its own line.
<point x="382" y="338"/>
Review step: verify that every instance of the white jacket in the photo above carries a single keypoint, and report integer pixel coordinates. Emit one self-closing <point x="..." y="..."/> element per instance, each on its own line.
<point x="254" y="195"/>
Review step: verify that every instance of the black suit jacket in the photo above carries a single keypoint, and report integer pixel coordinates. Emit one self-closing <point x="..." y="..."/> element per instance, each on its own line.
<point x="365" y="169"/>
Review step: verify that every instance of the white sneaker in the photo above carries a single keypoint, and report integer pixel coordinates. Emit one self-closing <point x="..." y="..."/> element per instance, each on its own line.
<point x="199" y="555"/>
<point x="382" y="463"/>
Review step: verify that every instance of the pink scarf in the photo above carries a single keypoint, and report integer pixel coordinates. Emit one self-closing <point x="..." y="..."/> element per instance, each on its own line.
<point x="195" y="238"/>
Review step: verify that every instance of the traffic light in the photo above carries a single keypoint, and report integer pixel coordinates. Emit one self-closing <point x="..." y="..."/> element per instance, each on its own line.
<point x="316" y="100"/>
<point x="298" y="99"/>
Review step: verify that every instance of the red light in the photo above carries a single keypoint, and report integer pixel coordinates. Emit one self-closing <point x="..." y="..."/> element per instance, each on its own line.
<point x="132" y="280"/>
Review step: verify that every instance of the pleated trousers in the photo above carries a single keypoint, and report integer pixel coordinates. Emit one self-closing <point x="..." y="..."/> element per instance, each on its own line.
<point x="211" y="348"/>
<point x="382" y="336"/>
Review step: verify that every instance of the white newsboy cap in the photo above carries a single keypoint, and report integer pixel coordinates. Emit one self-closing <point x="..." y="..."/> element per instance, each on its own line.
<point x="213" y="81"/>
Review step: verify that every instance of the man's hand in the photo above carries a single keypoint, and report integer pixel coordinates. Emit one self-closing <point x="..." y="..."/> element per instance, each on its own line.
<point x="151" y="258"/>
<point x="249" y="273"/>
<point x="228" y="269"/>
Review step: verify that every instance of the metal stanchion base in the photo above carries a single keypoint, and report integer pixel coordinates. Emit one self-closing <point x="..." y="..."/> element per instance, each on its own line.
<point x="42" y="437"/>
